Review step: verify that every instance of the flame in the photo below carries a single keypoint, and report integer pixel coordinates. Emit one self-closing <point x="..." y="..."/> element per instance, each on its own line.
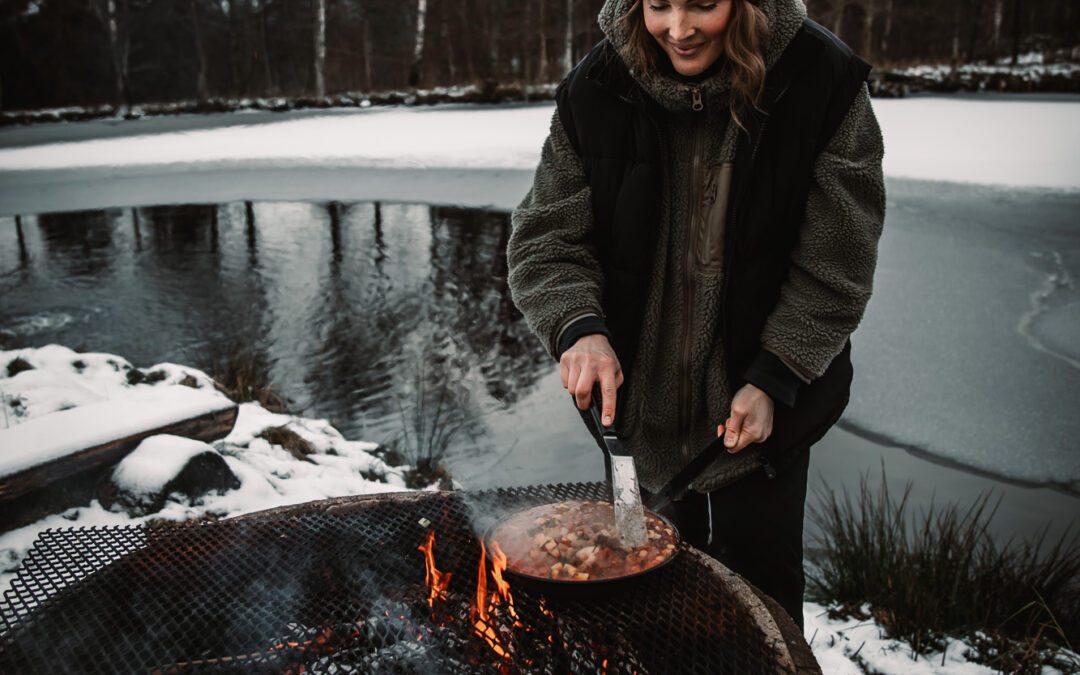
<point x="483" y="608"/>
<point x="498" y="566"/>
<point x="438" y="581"/>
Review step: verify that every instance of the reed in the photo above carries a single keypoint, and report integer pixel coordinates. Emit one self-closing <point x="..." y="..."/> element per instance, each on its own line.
<point x="243" y="374"/>
<point x="941" y="573"/>
<point x="430" y="423"/>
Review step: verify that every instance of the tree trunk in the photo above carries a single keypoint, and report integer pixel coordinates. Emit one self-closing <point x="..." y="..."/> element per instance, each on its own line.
<point x="956" y="41"/>
<point x="418" y="45"/>
<point x="868" y="29"/>
<point x="320" y="48"/>
<point x="972" y="47"/>
<point x="109" y="15"/>
<point x="1016" y="33"/>
<point x="568" y="55"/>
<point x="200" y="54"/>
<point x="838" y="20"/>
<point x="268" y="76"/>
<point x="448" y="39"/>
<point x="999" y="18"/>
<point x="491" y="23"/>
<point x="886" y="31"/>
<point x="542" y="29"/>
<point x="365" y="39"/>
<point x="234" y="67"/>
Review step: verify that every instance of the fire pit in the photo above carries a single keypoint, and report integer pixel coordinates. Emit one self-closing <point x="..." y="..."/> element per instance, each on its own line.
<point x="393" y="583"/>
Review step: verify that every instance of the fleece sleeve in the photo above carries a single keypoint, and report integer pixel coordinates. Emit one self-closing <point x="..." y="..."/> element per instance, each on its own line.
<point x="555" y="278"/>
<point x="832" y="266"/>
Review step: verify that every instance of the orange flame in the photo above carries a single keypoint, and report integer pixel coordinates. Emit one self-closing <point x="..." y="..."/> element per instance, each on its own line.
<point x="480" y="612"/>
<point x="498" y="566"/>
<point x="438" y="581"/>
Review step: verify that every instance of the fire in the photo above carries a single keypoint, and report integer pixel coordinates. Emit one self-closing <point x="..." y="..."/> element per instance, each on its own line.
<point x="438" y="581"/>
<point x="485" y="608"/>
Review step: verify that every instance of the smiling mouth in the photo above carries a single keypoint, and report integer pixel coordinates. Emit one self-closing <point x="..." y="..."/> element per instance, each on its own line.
<point x="685" y="50"/>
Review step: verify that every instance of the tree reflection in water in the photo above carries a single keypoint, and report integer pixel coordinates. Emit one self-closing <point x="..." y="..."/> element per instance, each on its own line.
<point x="347" y="303"/>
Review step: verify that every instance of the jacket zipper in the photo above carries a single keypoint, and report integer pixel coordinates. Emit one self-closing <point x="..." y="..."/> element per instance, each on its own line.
<point x="686" y="417"/>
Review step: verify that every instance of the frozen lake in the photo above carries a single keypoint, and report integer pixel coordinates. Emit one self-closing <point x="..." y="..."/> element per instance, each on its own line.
<point x="969" y="354"/>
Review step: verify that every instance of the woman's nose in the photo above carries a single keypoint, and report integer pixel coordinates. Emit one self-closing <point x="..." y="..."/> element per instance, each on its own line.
<point x="681" y="27"/>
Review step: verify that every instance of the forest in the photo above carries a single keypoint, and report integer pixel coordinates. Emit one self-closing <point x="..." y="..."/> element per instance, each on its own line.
<point x="56" y="53"/>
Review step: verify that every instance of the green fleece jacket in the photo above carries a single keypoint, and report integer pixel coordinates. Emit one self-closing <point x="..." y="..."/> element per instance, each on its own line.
<point x="555" y="277"/>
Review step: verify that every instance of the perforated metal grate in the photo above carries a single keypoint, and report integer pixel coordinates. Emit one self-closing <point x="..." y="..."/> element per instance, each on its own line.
<point x="340" y="588"/>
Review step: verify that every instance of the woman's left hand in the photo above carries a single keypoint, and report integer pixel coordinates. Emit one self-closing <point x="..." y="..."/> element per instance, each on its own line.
<point x="751" y="418"/>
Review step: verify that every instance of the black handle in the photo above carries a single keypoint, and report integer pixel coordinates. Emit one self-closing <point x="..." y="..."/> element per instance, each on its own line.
<point x="677" y="485"/>
<point x="596" y="407"/>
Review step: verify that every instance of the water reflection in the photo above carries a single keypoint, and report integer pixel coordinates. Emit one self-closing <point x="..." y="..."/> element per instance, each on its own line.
<point x="367" y="314"/>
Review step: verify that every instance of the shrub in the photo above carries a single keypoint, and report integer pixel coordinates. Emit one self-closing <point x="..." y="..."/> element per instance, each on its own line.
<point x="243" y="374"/>
<point x="943" y="574"/>
<point x="428" y="428"/>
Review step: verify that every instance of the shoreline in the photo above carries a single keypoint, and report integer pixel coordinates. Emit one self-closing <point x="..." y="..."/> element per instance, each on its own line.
<point x="846" y="451"/>
<point x="843" y="457"/>
<point x="947" y="463"/>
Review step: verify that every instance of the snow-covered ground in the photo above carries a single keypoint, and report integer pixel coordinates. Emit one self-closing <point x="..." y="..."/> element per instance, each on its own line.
<point x="1011" y="141"/>
<point x="60" y="379"/>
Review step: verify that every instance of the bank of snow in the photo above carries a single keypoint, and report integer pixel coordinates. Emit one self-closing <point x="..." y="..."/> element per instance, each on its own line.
<point x="56" y="378"/>
<point x="1006" y="140"/>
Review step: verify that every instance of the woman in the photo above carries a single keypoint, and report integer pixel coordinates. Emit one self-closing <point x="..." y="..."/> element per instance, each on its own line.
<point x="699" y="242"/>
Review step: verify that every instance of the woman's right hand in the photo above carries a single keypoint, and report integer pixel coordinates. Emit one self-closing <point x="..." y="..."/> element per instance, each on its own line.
<point x="591" y="360"/>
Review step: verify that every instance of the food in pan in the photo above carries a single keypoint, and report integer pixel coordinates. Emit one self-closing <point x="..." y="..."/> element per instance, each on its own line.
<point x="576" y="541"/>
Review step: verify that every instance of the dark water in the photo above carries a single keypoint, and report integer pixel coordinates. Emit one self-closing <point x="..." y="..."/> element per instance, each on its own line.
<point x="392" y="320"/>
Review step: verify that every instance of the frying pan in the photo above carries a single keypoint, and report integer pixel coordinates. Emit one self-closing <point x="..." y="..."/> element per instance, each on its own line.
<point x="573" y="585"/>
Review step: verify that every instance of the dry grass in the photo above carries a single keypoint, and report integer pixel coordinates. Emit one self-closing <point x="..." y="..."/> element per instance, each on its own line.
<point x="943" y="574"/>
<point x="243" y="374"/>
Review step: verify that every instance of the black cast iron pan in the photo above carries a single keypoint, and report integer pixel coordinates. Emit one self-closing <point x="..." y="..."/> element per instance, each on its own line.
<point x="542" y="582"/>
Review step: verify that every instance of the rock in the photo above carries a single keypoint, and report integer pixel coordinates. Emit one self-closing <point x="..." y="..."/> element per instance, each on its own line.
<point x="164" y="466"/>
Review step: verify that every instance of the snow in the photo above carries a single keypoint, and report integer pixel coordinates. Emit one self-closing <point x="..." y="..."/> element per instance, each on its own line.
<point x="992" y="140"/>
<point x="155" y="462"/>
<point x="270" y="476"/>
<point x="988" y="141"/>
<point x="91" y="403"/>
<point x="854" y="647"/>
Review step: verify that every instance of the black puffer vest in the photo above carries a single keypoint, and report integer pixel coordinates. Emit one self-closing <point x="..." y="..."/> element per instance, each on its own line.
<point x="614" y="127"/>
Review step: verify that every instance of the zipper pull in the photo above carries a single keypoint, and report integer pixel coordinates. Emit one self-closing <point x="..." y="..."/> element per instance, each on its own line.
<point x="697" y="104"/>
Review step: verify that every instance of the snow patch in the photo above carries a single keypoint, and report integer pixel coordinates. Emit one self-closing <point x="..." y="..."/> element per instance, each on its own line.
<point x="155" y="462"/>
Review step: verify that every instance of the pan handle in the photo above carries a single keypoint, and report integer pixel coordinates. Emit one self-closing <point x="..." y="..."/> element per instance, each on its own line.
<point x="681" y="481"/>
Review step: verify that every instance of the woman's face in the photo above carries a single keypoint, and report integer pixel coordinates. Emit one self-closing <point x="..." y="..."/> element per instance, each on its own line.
<point x="689" y="31"/>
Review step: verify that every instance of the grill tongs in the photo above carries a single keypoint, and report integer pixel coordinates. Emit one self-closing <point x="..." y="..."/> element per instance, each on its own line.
<point x="622" y="475"/>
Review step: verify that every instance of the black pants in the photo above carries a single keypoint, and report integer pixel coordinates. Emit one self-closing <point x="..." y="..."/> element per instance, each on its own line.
<point x="757" y="530"/>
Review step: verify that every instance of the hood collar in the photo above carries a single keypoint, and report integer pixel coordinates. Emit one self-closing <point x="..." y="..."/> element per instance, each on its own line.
<point x="675" y="92"/>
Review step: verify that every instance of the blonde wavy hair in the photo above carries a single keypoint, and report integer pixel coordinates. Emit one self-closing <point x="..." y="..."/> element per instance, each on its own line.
<point x="744" y="42"/>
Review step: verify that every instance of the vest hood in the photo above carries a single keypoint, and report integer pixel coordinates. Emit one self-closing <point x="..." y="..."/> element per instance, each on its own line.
<point x="673" y="92"/>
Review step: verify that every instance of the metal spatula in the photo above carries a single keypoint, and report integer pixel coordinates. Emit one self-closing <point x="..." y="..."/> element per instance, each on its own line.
<point x="626" y="495"/>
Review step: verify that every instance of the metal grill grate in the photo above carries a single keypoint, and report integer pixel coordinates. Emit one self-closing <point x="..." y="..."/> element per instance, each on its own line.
<point x="339" y="587"/>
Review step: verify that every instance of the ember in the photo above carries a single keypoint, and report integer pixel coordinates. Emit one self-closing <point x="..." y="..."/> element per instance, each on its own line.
<point x="380" y="584"/>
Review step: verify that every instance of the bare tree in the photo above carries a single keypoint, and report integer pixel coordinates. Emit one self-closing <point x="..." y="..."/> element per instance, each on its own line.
<point x="264" y="50"/>
<point x="418" y="45"/>
<point x="200" y="53"/>
<point x="568" y="56"/>
<point x="543" y="55"/>
<point x="320" y="48"/>
<point x="868" y="28"/>
<point x="999" y="18"/>
<point x="108" y="12"/>
<point x="886" y="30"/>
<point x="838" y="19"/>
